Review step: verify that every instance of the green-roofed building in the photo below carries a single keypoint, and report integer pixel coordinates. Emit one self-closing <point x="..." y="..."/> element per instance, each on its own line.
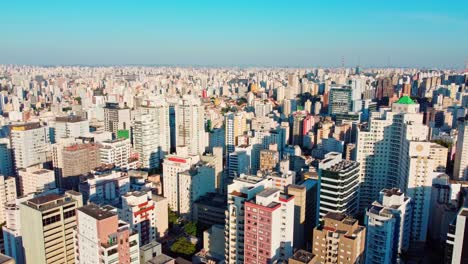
<point x="406" y="100"/>
<point x="405" y="105"/>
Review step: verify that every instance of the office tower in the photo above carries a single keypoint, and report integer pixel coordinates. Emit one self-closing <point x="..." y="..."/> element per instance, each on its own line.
<point x="456" y="248"/>
<point x="280" y="94"/>
<point x="30" y="143"/>
<point x="116" y="152"/>
<point x="47" y="225"/>
<point x="306" y="211"/>
<point x="268" y="160"/>
<point x="217" y="138"/>
<point x="101" y="238"/>
<point x="190" y="125"/>
<point x="67" y="169"/>
<point x="172" y="166"/>
<point x="6" y="158"/>
<point x="269" y="223"/>
<point x="339" y="239"/>
<point x="340" y="100"/>
<point x="35" y="180"/>
<point x="70" y="126"/>
<point x="216" y="158"/>
<point x="388" y="226"/>
<point x="145" y="142"/>
<point x="339" y="185"/>
<point x="238" y="163"/>
<point x="116" y="118"/>
<point x="460" y="170"/>
<point x="104" y="186"/>
<point x="139" y="210"/>
<point x="7" y="194"/>
<point x="426" y="160"/>
<point x="382" y="149"/>
<point x="235" y="126"/>
<point x="242" y="189"/>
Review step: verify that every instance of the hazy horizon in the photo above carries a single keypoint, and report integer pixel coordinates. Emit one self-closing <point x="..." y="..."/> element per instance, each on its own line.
<point x="414" y="34"/>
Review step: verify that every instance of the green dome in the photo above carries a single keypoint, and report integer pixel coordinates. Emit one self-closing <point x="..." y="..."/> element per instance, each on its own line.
<point x="405" y="100"/>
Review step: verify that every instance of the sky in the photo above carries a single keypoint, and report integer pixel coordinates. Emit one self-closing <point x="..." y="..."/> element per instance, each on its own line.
<point x="410" y="33"/>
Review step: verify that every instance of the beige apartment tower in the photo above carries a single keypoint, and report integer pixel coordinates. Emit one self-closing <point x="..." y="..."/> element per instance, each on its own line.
<point x="339" y="239"/>
<point x="47" y="224"/>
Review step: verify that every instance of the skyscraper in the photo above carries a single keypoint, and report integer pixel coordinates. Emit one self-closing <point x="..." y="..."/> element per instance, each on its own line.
<point x="116" y="118"/>
<point x="146" y="144"/>
<point x="382" y="149"/>
<point x="339" y="185"/>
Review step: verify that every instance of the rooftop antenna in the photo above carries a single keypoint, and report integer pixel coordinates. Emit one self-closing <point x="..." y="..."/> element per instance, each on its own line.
<point x="342" y="61"/>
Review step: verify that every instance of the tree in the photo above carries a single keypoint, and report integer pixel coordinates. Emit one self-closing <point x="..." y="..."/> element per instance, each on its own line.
<point x="183" y="246"/>
<point x="173" y="217"/>
<point x="191" y="228"/>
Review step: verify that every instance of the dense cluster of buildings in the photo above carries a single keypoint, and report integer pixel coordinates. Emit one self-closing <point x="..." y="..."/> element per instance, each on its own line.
<point x="272" y="165"/>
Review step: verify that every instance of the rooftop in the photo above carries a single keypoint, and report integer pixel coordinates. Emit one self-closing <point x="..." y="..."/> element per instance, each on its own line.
<point x="405" y="100"/>
<point x="303" y="256"/>
<point x="69" y="119"/>
<point x="97" y="212"/>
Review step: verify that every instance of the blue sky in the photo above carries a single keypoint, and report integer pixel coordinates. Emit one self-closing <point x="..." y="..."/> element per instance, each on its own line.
<point x="267" y="33"/>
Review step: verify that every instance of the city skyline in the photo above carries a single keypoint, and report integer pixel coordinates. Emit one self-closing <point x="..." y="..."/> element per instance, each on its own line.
<point x="240" y="33"/>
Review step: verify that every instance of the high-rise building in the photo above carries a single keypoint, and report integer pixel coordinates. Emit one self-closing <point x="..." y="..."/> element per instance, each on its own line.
<point x="104" y="186"/>
<point x="47" y="225"/>
<point x="456" y="247"/>
<point x="306" y="211"/>
<point x="101" y="238"/>
<point x="67" y="169"/>
<point x="159" y="110"/>
<point x="242" y="189"/>
<point x="6" y="158"/>
<point x="190" y="124"/>
<point x="340" y="100"/>
<point x="139" y="210"/>
<point x="35" y="180"/>
<point x="30" y="143"/>
<point x="116" y="118"/>
<point x="216" y="159"/>
<point x="172" y="166"/>
<point x="382" y="149"/>
<point x="298" y="128"/>
<point x="426" y="159"/>
<point x="116" y="152"/>
<point x="12" y="236"/>
<point x="269" y="223"/>
<point x="460" y="170"/>
<point x="70" y="126"/>
<point x="339" y="239"/>
<point x="7" y="194"/>
<point x="268" y="160"/>
<point x="145" y="142"/>
<point x="388" y="224"/>
<point x="235" y="126"/>
<point x="339" y="185"/>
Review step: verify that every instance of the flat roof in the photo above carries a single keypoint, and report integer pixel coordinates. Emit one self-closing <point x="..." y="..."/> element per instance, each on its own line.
<point x="97" y="212"/>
